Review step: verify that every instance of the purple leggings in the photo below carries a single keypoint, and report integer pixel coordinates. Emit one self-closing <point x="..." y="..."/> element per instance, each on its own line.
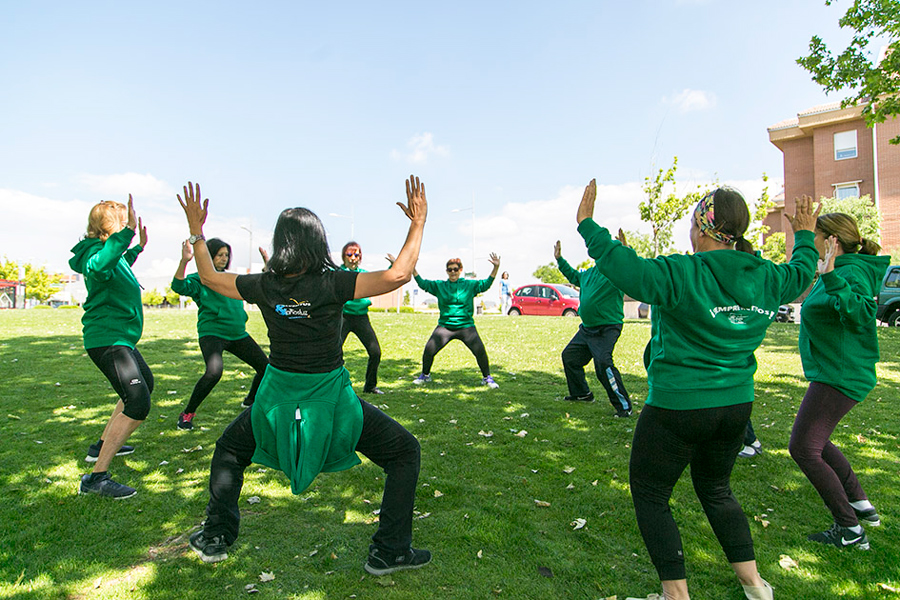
<point x="823" y="464"/>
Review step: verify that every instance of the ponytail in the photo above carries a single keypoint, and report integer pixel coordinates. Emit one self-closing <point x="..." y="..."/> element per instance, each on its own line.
<point x="867" y="246"/>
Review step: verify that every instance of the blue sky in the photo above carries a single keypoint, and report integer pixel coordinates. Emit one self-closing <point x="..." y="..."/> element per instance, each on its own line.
<point x="331" y="105"/>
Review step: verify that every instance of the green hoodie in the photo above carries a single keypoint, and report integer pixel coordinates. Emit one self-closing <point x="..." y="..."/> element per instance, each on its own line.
<point x="838" y="340"/>
<point x="113" y="313"/>
<point x="455" y="299"/>
<point x="359" y="306"/>
<point x="600" y="302"/>
<point x="217" y="315"/>
<point x="710" y="313"/>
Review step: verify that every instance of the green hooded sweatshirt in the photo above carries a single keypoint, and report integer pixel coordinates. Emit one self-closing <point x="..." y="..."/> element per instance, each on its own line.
<point x="455" y="299"/>
<point x="600" y="302"/>
<point x="838" y="340"/>
<point x="710" y="313"/>
<point x="217" y="315"/>
<point x="359" y="306"/>
<point x="113" y="313"/>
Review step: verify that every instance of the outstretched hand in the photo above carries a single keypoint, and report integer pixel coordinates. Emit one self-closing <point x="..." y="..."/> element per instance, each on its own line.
<point x="586" y="208"/>
<point x="132" y="221"/>
<point x="621" y="238"/>
<point x="826" y="264"/>
<point x="557" y="250"/>
<point x="417" y="206"/>
<point x="390" y="258"/>
<point x="494" y="259"/>
<point x="187" y="252"/>
<point x="142" y="233"/>
<point x="194" y="209"/>
<point x="804" y="218"/>
<point x="265" y="257"/>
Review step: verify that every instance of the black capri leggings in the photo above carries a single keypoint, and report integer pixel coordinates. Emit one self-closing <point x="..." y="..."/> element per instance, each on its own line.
<point x="362" y="327"/>
<point x="212" y="348"/>
<point x="441" y="336"/>
<point x="129" y="375"/>
<point x="665" y="442"/>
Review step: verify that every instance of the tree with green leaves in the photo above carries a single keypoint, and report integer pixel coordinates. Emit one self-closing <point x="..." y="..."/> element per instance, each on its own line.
<point x="152" y="298"/>
<point x="39" y="284"/>
<point x="775" y="247"/>
<point x="662" y="210"/>
<point x="549" y="273"/>
<point x="640" y="243"/>
<point x="172" y="298"/>
<point x="857" y="69"/>
<point x="757" y="232"/>
<point x="862" y="209"/>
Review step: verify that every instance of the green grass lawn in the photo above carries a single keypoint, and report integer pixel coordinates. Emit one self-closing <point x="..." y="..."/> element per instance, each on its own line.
<point x="476" y="504"/>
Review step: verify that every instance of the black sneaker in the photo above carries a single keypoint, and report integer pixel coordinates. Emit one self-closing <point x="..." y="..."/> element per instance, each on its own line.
<point x="842" y="537"/>
<point x="209" y="550"/>
<point x="246" y="403"/>
<point x="105" y="486"/>
<point x="622" y="413"/>
<point x="374" y="390"/>
<point x="94" y="451"/>
<point x="868" y="516"/>
<point x="381" y="562"/>
<point x="185" y="421"/>
<point x="589" y="397"/>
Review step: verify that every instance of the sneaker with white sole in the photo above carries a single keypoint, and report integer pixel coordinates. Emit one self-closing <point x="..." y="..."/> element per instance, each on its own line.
<point x="185" y="421"/>
<point x="751" y="450"/>
<point x="104" y="485"/>
<point x="382" y="562"/>
<point x="209" y="549"/>
<point x="842" y="537"/>
<point x="489" y="381"/>
<point x="93" y="452"/>
<point x="422" y="379"/>
<point x="246" y="403"/>
<point x="868" y="516"/>
<point x="650" y="597"/>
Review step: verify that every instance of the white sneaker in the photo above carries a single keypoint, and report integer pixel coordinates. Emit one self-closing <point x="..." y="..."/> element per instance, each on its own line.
<point x="489" y="381"/>
<point x="751" y="450"/>
<point x="422" y="379"/>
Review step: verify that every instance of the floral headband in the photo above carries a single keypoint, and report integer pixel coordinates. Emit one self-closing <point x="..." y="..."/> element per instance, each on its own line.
<point x="705" y="216"/>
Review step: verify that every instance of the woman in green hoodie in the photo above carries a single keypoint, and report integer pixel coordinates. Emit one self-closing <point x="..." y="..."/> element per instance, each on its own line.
<point x="710" y="312"/>
<point x="839" y="349"/>
<point x="355" y="319"/>
<point x="306" y="418"/>
<point x="113" y="321"/>
<point x="221" y="326"/>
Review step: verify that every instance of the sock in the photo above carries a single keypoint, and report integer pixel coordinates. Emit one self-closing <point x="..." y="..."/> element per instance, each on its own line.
<point x="862" y="505"/>
<point x="856" y="529"/>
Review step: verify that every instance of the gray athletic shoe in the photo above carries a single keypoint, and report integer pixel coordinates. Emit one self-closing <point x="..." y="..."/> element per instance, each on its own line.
<point x="105" y="486"/>
<point x="209" y="549"/>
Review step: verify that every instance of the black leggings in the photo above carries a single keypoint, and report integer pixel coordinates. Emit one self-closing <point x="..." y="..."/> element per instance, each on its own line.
<point x="129" y="375"/>
<point x="360" y="325"/>
<point x="667" y="441"/>
<point x="212" y="348"/>
<point x="441" y="336"/>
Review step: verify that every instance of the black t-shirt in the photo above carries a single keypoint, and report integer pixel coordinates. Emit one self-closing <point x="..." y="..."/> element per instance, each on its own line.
<point x="303" y="316"/>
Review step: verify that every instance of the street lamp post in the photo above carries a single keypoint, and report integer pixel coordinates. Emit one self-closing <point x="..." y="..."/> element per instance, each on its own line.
<point x="473" y="229"/>
<point x="249" y="248"/>
<point x="346" y="217"/>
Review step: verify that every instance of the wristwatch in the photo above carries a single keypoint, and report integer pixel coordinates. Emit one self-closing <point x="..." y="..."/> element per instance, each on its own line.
<point x="195" y="238"/>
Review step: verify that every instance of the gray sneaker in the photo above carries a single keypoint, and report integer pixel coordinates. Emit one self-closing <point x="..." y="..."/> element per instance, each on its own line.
<point x="381" y="562"/>
<point x="105" y="486"/>
<point x="209" y="549"/>
<point x="842" y="537"/>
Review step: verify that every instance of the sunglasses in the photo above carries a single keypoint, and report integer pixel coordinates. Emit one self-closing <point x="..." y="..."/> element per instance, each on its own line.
<point x="453" y="269"/>
<point x="354" y="254"/>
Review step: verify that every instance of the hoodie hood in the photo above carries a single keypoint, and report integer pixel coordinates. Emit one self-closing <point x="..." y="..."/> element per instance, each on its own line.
<point x="872" y="267"/>
<point x="82" y="251"/>
<point x="739" y="274"/>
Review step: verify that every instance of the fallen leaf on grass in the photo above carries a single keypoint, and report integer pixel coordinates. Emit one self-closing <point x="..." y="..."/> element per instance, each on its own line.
<point x="545" y="572"/>
<point x="438" y="493"/>
<point x="194" y="449"/>
<point x="424" y="515"/>
<point x="98" y="583"/>
<point x="162" y="463"/>
<point x="541" y="503"/>
<point x="889" y="588"/>
<point x="179" y="471"/>
<point x="479" y="554"/>
<point x="571" y="486"/>
<point x="384" y="582"/>
<point x="314" y="552"/>
<point x="594" y="482"/>
<point x="578" y="523"/>
<point x="250" y="588"/>
<point x="17" y="418"/>
<point x="760" y="520"/>
<point x="253" y="500"/>
<point x="453" y="421"/>
<point x="568" y="470"/>
<point x="522" y="434"/>
<point x="786" y="562"/>
<point x="264" y="576"/>
<point x="486" y="433"/>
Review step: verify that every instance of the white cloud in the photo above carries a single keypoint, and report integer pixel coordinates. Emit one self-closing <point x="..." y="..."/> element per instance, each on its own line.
<point x="119" y="185"/>
<point x="689" y="100"/>
<point x="420" y="147"/>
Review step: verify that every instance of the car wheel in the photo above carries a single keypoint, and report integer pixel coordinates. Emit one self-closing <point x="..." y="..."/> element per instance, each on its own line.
<point x="514" y="312"/>
<point x="569" y="313"/>
<point x="894" y="319"/>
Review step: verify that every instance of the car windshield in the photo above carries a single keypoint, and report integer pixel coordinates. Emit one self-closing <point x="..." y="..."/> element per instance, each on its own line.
<point x="566" y="291"/>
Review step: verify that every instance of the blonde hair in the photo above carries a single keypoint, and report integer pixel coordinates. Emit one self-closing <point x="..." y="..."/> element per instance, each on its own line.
<point x="106" y="218"/>
<point x="844" y="227"/>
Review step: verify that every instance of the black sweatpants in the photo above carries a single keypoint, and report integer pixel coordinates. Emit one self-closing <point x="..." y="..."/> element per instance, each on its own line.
<point x="665" y="443"/>
<point x="212" y="348"/>
<point x="441" y="336"/>
<point x="362" y="327"/>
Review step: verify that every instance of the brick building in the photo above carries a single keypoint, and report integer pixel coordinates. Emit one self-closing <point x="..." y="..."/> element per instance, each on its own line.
<point x="830" y="151"/>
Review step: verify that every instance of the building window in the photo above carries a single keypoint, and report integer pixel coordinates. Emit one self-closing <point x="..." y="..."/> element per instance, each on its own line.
<point x="842" y="191"/>
<point x="845" y="145"/>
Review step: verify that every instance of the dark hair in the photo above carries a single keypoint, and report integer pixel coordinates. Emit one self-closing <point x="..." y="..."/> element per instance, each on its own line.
<point x="299" y="244"/>
<point x="454" y="261"/>
<point x="732" y="217"/>
<point x="846" y="230"/>
<point x="350" y="244"/>
<point x="214" y="245"/>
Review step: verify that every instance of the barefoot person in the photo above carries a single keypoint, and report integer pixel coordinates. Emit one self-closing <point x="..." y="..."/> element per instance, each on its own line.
<point x="839" y="349"/>
<point x="710" y="312"/>
<point x="113" y="321"/>
<point x="221" y="326"/>
<point x="356" y="320"/>
<point x="455" y="297"/>
<point x="306" y="418"/>
<point x="600" y="309"/>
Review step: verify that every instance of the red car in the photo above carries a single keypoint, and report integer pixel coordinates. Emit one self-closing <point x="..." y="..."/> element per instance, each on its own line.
<point x="545" y="299"/>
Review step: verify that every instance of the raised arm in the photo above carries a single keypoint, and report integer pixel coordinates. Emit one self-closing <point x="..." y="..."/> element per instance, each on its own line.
<point x="799" y="272"/>
<point x="196" y="211"/>
<point x="380" y="282"/>
<point x="565" y="268"/>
